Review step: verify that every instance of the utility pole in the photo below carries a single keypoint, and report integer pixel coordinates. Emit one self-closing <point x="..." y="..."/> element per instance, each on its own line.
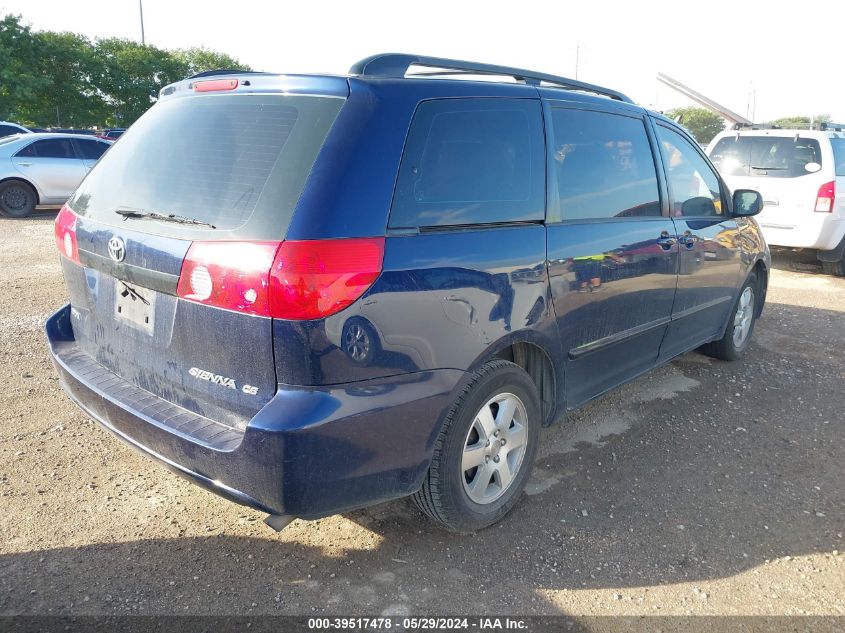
<point x="751" y="104"/>
<point x="748" y="101"/>
<point x="754" y="105"/>
<point x="577" y="55"/>
<point x="141" y="9"/>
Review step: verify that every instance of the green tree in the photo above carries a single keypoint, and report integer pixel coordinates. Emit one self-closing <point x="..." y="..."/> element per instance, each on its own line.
<point x="701" y="123"/>
<point x="68" y="97"/>
<point x="20" y="83"/>
<point x="129" y="76"/>
<point x="64" y="79"/>
<point x="800" y="122"/>
<point x="197" y="60"/>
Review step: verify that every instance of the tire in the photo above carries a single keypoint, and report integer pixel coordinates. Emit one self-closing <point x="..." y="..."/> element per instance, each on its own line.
<point x="743" y="318"/>
<point x="17" y="199"/>
<point x="465" y="500"/>
<point x="837" y="269"/>
<point x="359" y="341"/>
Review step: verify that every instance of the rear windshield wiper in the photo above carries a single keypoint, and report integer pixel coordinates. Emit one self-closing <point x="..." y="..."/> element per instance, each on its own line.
<point x="170" y="217"/>
<point x="769" y="168"/>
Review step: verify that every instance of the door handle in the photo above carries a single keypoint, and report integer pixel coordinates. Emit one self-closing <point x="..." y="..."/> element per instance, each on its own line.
<point x="25" y="164"/>
<point x="666" y="241"/>
<point x="688" y="239"/>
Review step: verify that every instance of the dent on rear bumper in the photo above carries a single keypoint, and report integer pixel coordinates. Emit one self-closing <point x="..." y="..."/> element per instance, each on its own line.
<point x="309" y="452"/>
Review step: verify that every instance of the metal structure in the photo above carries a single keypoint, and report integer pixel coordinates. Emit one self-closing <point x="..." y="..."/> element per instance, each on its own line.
<point x="699" y="98"/>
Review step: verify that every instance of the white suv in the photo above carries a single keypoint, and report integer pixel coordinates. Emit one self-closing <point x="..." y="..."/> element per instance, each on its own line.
<point x="801" y="176"/>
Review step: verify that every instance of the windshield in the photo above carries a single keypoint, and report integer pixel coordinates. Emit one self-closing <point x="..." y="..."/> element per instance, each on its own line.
<point x="237" y="163"/>
<point x="766" y="156"/>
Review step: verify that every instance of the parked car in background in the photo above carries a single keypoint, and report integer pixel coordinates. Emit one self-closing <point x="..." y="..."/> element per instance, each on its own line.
<point x="70" y="130"/>
<point x="395" y="290"/>
<point x="43" y="169"/>
<point x="8" y="129"/>
<point x="801" y="176"/>
<point x="112" y="134"/>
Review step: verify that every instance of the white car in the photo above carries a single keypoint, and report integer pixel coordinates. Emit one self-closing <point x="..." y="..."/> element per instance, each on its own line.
<point x="801" y="176"/>
<point x="44" y="169"/>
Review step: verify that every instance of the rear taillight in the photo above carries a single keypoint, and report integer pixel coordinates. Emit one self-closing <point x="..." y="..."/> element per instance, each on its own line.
<point x="231" y="275"/>
<point x="289" y="280"/>
<point x="65" y="230"/>
<point x="315" y="279"/>
<point x="825" y="197"/>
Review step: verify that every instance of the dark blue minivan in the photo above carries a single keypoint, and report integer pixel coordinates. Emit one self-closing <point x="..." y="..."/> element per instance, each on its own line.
<point x="315" y="293"/>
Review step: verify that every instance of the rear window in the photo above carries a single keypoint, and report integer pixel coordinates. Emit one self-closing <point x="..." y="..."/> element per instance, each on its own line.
<point x="838" y="145"/>
<point x="238" y="162"/>
<point x="766" y="156"/>
<point x="471" y="161"/>
<point x="7" y="130"/>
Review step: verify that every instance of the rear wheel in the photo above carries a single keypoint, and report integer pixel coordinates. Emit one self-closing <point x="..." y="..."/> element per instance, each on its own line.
<point x="834" y="268"/>
<point x="835" y="265"/>
<point x="359" y="341"/>
<point x="17" y="199"/>
<point x="737" y="336"/>
<point x="485" y="450"/>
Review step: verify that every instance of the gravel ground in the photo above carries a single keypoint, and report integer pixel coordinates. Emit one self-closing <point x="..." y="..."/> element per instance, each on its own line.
<point x="702" y="488"/>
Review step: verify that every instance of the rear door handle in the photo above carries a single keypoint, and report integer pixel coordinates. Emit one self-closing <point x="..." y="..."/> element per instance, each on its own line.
<point x="25" y="164"/>
<point x="666" y="241"/>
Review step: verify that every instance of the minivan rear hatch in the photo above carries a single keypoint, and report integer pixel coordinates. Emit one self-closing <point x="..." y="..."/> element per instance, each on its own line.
<point x="222" y="164"/>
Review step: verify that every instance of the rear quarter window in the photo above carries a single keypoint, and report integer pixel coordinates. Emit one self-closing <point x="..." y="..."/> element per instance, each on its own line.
<point x="838" y="145"/>
<point x="471" y="161"/>
<point x="765" y="156"/>
<point x="91" y="150"/>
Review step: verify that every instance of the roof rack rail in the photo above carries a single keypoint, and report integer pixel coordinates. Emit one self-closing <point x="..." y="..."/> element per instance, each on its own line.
<point x="397" y="64"/>
<point x="824" y="126"/>
<point x="755" y="126"/>
<point x="224" y="71"/>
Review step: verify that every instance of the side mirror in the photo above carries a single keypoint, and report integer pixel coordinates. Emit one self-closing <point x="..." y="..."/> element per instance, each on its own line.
<point x="747" y="203"/>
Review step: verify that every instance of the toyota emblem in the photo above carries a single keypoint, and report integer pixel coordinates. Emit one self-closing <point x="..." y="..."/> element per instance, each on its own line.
<point x="117" y="249"/>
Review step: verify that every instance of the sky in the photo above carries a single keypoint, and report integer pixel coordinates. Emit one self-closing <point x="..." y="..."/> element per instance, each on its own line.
<point x="746" y="55"/>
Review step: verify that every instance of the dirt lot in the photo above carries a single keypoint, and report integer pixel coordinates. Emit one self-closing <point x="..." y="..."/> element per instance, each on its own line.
<point x="704" y="488"/>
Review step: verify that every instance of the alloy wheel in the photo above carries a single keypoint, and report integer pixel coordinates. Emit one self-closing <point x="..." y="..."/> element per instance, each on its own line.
<point x="494" y="448"/>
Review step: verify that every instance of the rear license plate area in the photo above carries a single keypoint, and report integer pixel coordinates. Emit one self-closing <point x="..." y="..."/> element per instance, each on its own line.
<point x="135" y="306"/>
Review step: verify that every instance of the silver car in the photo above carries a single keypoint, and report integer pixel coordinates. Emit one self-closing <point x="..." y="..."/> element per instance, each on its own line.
<point x="7" y="129"/>
<point x="43" y="169"/>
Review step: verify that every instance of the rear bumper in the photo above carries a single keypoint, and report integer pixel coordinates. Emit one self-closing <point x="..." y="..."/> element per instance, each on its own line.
<point x="821" y="231"/>
<point x="309" y="452"/>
